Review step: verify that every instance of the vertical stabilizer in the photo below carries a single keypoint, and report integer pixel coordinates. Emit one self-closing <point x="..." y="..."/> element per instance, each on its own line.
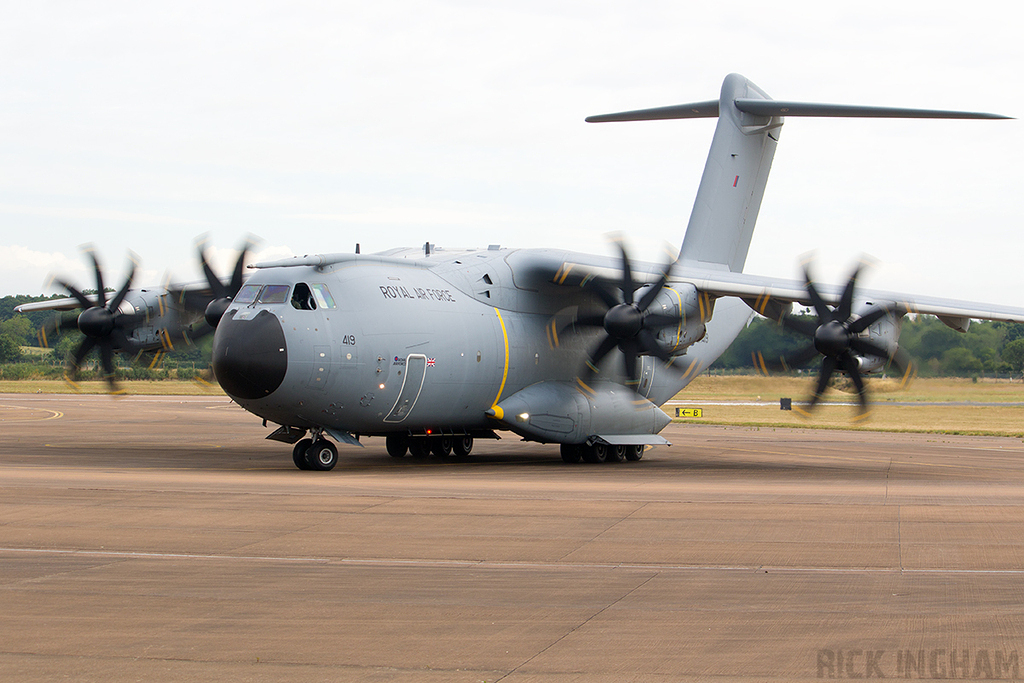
<point x="725" y="210"/>
<point x="730" y="192"/>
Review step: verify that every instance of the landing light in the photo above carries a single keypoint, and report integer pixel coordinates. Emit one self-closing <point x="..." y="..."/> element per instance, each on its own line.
<point x="523" y="417"/>
<point x="381" y="386"/>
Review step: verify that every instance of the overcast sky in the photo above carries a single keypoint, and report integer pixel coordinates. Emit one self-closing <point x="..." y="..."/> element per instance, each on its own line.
<point x="316" y="125"/>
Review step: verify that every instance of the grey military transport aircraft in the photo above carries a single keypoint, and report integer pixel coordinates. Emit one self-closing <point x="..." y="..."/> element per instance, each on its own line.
<point x="433" y="348"/>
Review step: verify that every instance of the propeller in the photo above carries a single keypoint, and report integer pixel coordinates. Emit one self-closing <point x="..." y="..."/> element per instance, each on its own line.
<point x="835" y="335"/>
<point x="627" y="324"/>
<point x="222" y="294"/>
<point x="102" y="323"/>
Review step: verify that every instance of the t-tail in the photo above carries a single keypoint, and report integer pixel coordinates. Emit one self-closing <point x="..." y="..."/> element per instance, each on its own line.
<point x="729" y="197"/>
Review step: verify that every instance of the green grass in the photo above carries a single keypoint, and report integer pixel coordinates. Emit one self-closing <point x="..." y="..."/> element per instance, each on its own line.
<point x="765" y="392"/>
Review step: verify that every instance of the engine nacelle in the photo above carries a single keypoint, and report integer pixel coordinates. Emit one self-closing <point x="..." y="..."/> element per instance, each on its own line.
<point x="691" y="307"/>
<point x="159" y="318"/>
<point x="884" y="333"/>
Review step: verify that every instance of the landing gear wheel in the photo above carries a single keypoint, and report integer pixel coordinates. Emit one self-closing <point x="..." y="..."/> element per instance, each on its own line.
<point x="419" y="447"/>
<point x="597" y="452"/>
<point x="462" y="446"/>
<point x="299" y="453"/>
<point x="572" y="452"/>
<point x="617" y="453"/>
<point x="322" y="455"/>
<point x="397" y="446"/>
<point x="634" y="453"/>
<point x="441" y="446"/>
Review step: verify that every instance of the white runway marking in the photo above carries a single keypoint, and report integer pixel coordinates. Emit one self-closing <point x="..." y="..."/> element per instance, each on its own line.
<point x="485" y="564"/>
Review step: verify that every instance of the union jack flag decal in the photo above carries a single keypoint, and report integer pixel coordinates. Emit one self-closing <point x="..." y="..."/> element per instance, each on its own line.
<point x="430" y="362"/>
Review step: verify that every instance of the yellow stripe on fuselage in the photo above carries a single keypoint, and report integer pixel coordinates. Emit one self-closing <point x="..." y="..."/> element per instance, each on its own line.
<point x="504" y="374"/>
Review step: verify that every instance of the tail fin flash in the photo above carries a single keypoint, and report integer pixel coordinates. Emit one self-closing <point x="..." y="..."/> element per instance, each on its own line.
<point x="729" y="197"/>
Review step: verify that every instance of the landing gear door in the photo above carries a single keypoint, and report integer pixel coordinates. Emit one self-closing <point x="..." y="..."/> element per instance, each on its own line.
<point x="415" y="373"/>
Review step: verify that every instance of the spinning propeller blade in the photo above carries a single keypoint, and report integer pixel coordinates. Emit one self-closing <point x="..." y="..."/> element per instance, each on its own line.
<point x="627" y="323"/>
<point x="102" y="322"/>
<point x="222" y="294"/>
<point x="835" y="337"/>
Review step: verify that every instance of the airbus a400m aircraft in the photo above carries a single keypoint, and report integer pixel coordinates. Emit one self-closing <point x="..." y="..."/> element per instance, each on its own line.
<point x="433" y="348"/>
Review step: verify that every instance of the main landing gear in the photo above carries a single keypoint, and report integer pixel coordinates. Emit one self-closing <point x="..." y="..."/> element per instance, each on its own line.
<point x="422" y="446"/>
<point x="600" y="452"/>
<point x="315" y="454"/>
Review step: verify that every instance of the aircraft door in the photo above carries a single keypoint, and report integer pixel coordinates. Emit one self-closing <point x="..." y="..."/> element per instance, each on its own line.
<point x="415" y="373"/>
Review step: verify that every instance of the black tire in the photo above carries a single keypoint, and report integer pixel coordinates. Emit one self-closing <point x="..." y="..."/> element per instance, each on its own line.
<point x="462" y="446"/>
<point x="634" y="453"/>
<point x="299" y="453"/>
<point x="572" y="452"/>
<point x="398" y="445"/>
<point x="441" y="446"/>
<point x="617" y="453"/>
<point x="322" y="456"/>
<point x="419" y="447"/>
<point x="597" y="452"/>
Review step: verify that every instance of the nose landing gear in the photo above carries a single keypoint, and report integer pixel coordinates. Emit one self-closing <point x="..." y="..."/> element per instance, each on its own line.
<point x="315" y="454"/>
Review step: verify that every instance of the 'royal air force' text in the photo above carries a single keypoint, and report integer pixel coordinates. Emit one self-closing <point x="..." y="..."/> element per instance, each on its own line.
<point x="391" y="292"/>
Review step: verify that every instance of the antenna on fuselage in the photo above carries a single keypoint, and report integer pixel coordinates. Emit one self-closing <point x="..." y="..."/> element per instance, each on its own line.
<point x="357" y="247"/>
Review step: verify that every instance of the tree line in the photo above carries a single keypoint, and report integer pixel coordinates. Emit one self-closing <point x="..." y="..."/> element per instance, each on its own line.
<point x="987" y="349"/>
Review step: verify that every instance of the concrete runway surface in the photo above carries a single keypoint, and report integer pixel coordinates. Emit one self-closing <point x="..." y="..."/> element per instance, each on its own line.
<point x="163" y="539"/>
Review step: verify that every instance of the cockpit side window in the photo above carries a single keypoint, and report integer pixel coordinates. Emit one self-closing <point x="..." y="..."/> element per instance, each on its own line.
<point x="247" y="294"/>
<point x="302" y="298"/>
<point x="323" y="296"/>
<point x="273" y="294"/>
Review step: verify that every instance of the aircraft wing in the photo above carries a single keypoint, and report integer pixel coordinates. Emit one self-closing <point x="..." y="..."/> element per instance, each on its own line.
<point x="193" y="296"/>
<point x="68" y="304"/>
<point x="760" y="292"/>
<point x="766" y="295"/>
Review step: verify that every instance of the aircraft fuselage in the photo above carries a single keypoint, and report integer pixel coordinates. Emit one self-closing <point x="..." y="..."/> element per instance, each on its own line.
<point x="384" y="345"/>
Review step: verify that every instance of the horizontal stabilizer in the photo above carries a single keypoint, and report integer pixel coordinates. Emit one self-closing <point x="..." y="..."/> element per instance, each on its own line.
<point x="763" y="107"/>
<point x="779" y="108"/>
<point x="696" y="110"/>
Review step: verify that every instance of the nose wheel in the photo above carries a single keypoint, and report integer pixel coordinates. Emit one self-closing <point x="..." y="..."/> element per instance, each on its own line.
<point x="315" y="454"/>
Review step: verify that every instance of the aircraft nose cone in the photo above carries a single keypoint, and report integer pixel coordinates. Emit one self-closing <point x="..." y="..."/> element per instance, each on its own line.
<point x="249" y="356"/>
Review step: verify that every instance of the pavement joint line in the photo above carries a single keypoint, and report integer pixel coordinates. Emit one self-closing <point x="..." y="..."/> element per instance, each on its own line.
<point x="490" y="564"/>
<point x="577" y="627"/>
